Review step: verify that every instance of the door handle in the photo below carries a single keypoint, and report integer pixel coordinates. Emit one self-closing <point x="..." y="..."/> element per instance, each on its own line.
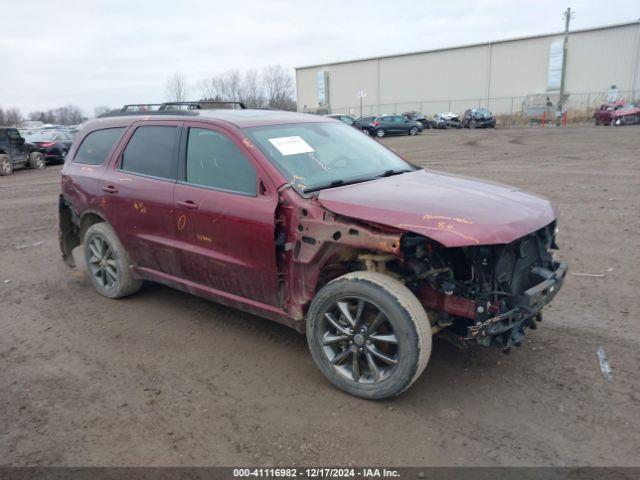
<point x="190" y="204"/>
<point x="109" y="189"/>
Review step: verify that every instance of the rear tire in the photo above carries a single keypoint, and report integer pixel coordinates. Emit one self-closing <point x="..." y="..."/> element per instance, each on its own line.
<point x="6" y="168"/>
<point x="36" y="161"/>
<point x="612" y="122"/>
<point x="380" y="133"/>
<point x="108" y="262"/>
<point x="373" y="351"/>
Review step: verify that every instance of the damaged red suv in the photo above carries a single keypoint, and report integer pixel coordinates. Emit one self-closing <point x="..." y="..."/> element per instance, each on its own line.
<point x="303" y="220"/>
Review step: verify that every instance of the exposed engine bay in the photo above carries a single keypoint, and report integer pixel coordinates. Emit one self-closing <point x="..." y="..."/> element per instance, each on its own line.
<point x="487" y="294"/>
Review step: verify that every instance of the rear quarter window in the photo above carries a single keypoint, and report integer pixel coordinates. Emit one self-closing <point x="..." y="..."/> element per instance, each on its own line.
<point x="96" y="146"/>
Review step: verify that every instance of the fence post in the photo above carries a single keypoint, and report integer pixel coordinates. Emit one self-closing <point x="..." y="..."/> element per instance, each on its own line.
<point x="511" y="114"/>
<point x="449" y="105"/>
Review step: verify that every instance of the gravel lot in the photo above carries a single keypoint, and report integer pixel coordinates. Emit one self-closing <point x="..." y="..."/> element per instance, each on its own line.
<point x="163" y="378"/>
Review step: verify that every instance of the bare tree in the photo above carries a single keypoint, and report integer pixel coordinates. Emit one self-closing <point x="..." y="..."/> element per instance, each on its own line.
<point x="13" y="117"/>
<point x="177" y="89"/>
<point x="278" y="85"/>
<point x="272" y="88"/>
<point x="252" y="91"/>
<point x="100" y="109"/>
<point x="3" y="120"/>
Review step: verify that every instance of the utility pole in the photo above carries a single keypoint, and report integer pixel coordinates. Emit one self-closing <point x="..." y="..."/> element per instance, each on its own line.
<point x="565" y="46"/>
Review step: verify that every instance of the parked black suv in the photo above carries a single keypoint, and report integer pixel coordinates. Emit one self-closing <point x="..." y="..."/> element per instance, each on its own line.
<point x="15" y="152"/>
<point x="478" y="118"/>
<point x="381" y="125"/>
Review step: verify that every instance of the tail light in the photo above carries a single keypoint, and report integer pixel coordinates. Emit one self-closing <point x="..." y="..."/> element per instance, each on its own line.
<point x="375" y="124"/>
<point x="47" y="144"/>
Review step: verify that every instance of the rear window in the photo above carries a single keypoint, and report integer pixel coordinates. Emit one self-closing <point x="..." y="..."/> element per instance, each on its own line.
<point x="97" y="145"/>
<point x="152" y="151"/>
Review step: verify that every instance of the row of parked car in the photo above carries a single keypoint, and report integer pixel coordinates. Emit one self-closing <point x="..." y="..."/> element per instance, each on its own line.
<point x="412" y="123"/>
<point x="34" y="148"/>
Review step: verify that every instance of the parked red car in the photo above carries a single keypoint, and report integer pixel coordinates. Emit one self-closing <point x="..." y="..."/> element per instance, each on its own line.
<point x="617" y="113"/>
<point x="304" y="220"/>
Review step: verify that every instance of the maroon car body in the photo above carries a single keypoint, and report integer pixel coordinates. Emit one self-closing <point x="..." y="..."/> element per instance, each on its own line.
<point x="617" y="113"/>
<point x="445" y="237"/>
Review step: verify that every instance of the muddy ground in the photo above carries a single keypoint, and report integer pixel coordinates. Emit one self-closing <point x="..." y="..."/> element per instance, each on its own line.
<point x="163" y="378"/>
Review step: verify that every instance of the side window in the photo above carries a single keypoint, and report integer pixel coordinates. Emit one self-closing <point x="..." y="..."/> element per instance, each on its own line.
<point x="14" y="136"/>
<point x="387" y="119"/>
<point x="213" y="160"/>
<point x="398" y="119"/>
<point x="3" y="136"/>
<point x="152" y="151"/>
<point x="96" y="146"/>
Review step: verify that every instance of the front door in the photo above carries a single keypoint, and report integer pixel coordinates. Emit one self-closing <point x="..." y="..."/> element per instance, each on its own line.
<point x="225" y="216"/>
<point x="17" y="149"/>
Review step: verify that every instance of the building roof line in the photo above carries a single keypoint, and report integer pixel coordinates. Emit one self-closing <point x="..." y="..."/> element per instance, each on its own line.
<point x="469" y="45"/>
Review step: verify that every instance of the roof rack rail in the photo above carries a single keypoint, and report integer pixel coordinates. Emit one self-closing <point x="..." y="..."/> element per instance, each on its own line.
<point x="141" y="107"/>
<point x="199" y="105"/>
<point x="171" y="108"/>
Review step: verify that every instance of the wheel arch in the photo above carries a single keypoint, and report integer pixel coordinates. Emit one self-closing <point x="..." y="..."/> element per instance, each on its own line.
<point x="72" y="227"/>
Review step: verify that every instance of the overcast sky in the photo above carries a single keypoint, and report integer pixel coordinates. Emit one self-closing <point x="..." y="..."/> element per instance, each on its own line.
<point x="111" y="52"/>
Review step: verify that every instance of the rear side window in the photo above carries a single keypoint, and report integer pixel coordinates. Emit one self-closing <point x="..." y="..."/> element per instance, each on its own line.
<point x="213" y="160"/>
<point x="96" y="146"/>
<point x="152" y="151"/>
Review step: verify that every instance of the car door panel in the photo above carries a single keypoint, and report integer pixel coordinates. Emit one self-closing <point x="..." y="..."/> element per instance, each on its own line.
<point x="226" y="238"/>
<point x="140" y="207"/>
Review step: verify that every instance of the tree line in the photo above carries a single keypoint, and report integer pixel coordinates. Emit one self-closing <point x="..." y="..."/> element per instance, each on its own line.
<point x="273" y="87"/>
<point x="67" y="115"/>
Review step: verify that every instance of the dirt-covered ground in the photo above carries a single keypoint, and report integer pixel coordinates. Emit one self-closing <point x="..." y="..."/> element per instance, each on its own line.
<point x="163" y="378"/>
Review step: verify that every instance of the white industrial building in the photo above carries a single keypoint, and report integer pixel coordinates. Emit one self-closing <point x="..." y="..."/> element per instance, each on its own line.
<point x="502" y="75"/>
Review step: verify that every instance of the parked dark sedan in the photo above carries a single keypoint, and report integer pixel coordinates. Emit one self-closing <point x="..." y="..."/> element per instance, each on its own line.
<point x="53" y="144"/>
<point x="478" y="118"/>
<point x="381" y="125"/>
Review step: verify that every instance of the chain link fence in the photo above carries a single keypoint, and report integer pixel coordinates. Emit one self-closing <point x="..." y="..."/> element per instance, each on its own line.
<point x="522" y="110"/>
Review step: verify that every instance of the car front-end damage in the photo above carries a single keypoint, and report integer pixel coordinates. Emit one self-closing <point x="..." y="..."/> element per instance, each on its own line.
<point x="488" y="294"/>
<point x="483" y="278"/>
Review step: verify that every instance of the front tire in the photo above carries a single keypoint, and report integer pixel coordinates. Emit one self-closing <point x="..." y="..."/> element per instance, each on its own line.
<point x="369" y="335"/>
<point x="108" y="263"/>
<point x="6" y="168"/>
<point x="413" y="131"/>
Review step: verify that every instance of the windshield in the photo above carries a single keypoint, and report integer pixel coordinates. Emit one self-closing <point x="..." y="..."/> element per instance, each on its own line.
<point x="313" y="156"/>
<point x="483" y="111"/>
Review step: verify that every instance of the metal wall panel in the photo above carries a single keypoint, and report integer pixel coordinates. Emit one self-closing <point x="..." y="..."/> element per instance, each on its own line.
<point x="491" y="74"/>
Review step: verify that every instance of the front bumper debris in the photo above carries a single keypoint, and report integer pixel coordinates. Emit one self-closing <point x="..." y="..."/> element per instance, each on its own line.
<point x="507" y="328"/>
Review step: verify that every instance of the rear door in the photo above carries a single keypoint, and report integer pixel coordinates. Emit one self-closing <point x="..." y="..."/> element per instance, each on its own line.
<point x="225" y="215"/>
<point x="137" y="194"/>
